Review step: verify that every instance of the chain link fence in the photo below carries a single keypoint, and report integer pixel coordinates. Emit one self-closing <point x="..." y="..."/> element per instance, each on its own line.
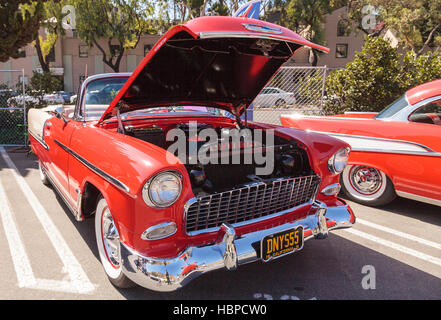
<point x="13" y="131"/>
<point x="291" y="90"/>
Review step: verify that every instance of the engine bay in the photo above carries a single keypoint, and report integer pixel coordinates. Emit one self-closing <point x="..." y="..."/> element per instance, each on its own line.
<point x="229" y="157"/>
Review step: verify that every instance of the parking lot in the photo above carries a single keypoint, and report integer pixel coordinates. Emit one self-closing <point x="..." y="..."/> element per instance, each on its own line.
<point x="46" y="254"/>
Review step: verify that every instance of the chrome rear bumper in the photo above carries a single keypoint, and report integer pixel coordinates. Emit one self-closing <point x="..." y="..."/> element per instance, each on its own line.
<point x="227" y="252"/>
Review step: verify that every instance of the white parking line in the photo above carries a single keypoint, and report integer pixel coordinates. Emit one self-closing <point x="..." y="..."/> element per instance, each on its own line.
<point x="394" y="245"/>
<point x="79" y="282"/>
<point x="400" y="234"/>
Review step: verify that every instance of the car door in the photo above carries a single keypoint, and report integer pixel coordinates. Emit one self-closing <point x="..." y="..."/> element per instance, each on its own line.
<point x="57" y="135"/>
<point x="424" y="127"/>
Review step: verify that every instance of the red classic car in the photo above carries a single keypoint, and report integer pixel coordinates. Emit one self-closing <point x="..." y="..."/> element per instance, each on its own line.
<point x="162" y="217"/>
<point x="394" y="152"/>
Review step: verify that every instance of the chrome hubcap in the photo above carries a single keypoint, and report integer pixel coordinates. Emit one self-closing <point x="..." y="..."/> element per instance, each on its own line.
<point x="111" y="238"/>
<point x="365" y="180"/>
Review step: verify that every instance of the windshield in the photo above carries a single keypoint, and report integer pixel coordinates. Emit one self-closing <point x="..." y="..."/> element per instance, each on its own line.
<point x="100" y="93"/>
<point x="393" y="108"/>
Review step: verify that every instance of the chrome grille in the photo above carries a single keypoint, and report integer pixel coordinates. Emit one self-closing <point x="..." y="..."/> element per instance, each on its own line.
<point x="248" y="203"/>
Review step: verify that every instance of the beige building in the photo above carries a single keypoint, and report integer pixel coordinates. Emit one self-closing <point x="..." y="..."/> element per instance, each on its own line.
<point x="72" y="58"/>
<point x="342" y="42"/>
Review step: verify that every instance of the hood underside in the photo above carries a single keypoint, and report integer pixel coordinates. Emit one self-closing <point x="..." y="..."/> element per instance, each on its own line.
<point x="222" y="71"/>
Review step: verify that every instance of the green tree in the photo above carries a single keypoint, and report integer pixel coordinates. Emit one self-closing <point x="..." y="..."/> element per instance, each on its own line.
<point x="368" y="83"/>
<point x="121" y="23"/>
<point x="53" y="30"/>
<point x="306" y="17"/>
<point x="377" y="76"/>
<point x="417" y="23"/>
<point x="19" y="24"/>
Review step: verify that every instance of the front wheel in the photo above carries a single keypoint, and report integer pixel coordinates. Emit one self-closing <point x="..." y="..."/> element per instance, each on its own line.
<point x="366" y="185"/>
<point x="109" y="246"/>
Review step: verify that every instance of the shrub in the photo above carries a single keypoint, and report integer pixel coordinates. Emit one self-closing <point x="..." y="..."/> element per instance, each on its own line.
<point x="368" y="83"/>
<point x="377" y="76"/>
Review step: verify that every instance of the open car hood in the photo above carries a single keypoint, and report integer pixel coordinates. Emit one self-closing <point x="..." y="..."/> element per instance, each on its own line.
<point x="221" y="62"/>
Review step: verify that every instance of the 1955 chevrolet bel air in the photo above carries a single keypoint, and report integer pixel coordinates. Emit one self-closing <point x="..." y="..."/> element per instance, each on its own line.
<point x="151" y="158"/>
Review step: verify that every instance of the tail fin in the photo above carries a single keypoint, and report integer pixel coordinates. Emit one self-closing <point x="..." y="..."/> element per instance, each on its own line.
<point x="250" y="9"/>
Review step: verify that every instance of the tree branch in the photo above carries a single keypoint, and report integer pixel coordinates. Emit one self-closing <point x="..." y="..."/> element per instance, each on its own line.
<point x="429" y="38"/>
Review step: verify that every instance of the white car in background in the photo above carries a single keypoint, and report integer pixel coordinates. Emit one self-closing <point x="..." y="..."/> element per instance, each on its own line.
<point x="49" y="99"/>
<point x="271" y="96"/>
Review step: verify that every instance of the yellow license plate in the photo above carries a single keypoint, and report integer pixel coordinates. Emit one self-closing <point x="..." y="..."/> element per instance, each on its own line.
<point x="281" y="243"/>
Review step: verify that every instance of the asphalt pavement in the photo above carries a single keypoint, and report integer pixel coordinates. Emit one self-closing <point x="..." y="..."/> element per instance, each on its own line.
<point x="393" y="252"/>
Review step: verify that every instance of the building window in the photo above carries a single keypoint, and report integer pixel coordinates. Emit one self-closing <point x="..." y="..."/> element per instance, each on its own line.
<point x="343" y="28"/>
<point x="341" y="50"/>
<point x="84" y="51"/>
<point x="147" y="48"/>
<point x="21" y="53"/>
<point x="21" y="79"/>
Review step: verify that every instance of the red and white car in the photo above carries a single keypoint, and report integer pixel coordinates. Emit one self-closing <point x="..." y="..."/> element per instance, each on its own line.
<point x="161" y="222"/>
<point x="394" y="152"/>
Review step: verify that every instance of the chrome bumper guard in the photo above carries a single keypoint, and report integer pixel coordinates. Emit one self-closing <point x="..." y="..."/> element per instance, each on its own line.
<point x="227" y="252"/>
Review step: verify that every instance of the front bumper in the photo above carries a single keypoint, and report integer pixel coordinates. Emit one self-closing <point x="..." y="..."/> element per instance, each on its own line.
<point x="227" y="252"/>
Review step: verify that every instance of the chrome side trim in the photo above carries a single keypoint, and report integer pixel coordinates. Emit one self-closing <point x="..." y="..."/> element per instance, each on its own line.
<point x="359" y="112"/>
<point x="428" y="151"/>
<point x="415" y="197"/>
<point x="39" y="140"/>
<point x="374" y="138"/>
<point x="300" y="116"/>
<point x="98" y="171"/>
<point x="412" y="153"/>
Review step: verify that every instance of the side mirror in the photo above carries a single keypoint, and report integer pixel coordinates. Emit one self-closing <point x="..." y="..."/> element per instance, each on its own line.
<point x="58" y="113"/>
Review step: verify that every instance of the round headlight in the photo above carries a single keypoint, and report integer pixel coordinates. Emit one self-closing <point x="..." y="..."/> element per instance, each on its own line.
<point x="337" y="163"/>
<point x="163" y="189"/>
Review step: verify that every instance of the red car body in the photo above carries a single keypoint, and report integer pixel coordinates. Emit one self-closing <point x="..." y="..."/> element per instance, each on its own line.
<point x="402" y="142"/>
<point x="91" y="159"/>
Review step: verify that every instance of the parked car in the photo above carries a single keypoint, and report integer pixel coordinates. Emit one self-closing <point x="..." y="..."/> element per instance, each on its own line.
<point x="49" y="99"/>
<point x="394" y="152"/>
<point x="65" y="95"/>
<point x="164" y="217"/>
<point x="270" y="97"/>
<point x="53" y="98"/>
<point x="17" y="101"/>
<point x="6" y="94"/>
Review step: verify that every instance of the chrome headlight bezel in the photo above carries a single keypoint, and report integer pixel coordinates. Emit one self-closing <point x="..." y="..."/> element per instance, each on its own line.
<point x="146" y="190"/>
<point x="339" y="160"/>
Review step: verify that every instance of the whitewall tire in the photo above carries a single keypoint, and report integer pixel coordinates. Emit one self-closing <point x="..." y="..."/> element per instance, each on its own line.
<point x="108" y="244"/>
<point x="367" y="185"/>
